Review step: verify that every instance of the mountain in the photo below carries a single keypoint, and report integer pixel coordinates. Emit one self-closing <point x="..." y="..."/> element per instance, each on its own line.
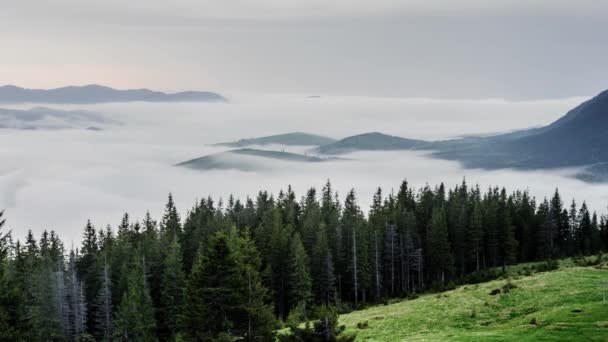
<point x="371" y="142"/>
<point x="99" y="94"/>
<point x="289" y="139"/>
<point x="579" y="138"/>
<point x="247" y="159"/>
<point x="49" y="118"/>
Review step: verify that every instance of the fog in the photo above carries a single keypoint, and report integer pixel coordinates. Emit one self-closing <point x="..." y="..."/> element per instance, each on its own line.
<point x="57" y="179"/>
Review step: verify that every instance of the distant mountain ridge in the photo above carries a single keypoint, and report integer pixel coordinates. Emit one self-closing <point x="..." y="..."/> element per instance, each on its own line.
<point x="94" y="93"/>
<point x="288" y="139"/>
<point x="43" y="118"/>
<point x="578" y="139"/>
<point x="237" y="159"/>
<point x="373" y="141"/>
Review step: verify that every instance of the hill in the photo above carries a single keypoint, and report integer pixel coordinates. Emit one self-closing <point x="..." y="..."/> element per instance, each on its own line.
<point x="562" y="305"/>
<point x="289" y="139"/>
<point x="371" y="142"/>
<point x="247" y="159"/>
<point x="99" y="94"/>
<point x="49" y="118"/>
<point x="576" y="139"/>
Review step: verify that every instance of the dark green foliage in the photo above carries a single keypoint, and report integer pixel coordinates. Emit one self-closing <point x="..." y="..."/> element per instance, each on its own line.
<point x="171" y="284"/>
<point x="135" y="316"/>
<point x="324" y="329"/>
<point x="231" y="270"/>
<point x="224" y="297"/>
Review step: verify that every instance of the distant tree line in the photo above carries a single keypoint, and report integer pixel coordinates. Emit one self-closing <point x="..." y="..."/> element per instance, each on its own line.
<point x="231" y="271"/>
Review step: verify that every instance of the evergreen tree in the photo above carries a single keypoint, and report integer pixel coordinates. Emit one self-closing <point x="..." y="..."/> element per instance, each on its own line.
<point x="87" y="271"/>
<point x="104" y="301"/>
<point x="475" y="236"/>
<point x="322" y="270"/>
<point x="300" y="284"/>
<point x="440" y="261"/>
<point x="172" y="284"/>
<point x="135" y="316"/>
<point x="219" y="300"/>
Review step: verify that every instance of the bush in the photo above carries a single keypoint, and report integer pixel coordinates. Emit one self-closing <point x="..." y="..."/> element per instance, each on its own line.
<point x="508" y="287"/>
<point x="363" y="325"/>
<point x="325" y="329"/>
<point x="549" y="265"/>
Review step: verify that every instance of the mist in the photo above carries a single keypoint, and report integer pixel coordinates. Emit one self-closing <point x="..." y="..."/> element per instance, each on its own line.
<point x="57" y="179"/>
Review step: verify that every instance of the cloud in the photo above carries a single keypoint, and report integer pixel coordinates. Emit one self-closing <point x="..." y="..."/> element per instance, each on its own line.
<point x="48" y="118"/>
<point x="59" y="179"/>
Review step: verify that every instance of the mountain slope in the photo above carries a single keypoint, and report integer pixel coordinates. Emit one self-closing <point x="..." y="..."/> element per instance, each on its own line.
<point x="371" y="142"/>
<point x="289" y="139"/>
<point x="562" y="305"/>
<point x="577" y="139"/>
<point x="247" y="159"/>
<point x="99" y="94"/>
<point x="49" y="118"/>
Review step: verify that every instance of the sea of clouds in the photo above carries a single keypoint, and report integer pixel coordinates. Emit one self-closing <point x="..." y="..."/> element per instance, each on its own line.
<point x="57" y="179"/>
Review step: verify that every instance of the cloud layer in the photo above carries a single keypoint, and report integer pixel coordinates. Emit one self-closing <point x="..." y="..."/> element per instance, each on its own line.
<point x="59" y="179"/>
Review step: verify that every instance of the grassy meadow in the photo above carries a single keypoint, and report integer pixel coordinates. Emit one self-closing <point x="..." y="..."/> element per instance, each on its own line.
<point x="560" y="305"/>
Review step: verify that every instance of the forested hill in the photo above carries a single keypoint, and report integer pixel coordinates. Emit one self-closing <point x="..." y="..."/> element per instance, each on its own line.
<point x="288" y="139"/>
<point x="373" y="141"/>
<point x="232" y="270"/>
<point x="94" y="93"/>
<point x="576" y="139"/>
<point x="247" y="159"/>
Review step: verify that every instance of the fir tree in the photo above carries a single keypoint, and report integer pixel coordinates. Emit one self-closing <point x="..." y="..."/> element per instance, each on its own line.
<point x="172" y="283"/>
<point x="300" y="285"/>
<point x="441" y="260"/>
<point x="135" y="316"/>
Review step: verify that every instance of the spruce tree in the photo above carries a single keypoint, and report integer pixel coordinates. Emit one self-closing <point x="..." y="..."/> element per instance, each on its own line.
<point x="440" y="261"/>
<point x="475" y="236"/>
<point x="135" y="316"/>
<point x="172" y="284"/>
<point x="224" y="297"/>
<point x="300" y="284"/>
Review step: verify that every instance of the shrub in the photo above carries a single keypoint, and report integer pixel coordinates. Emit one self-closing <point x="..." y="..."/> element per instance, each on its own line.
<point x="363" y="325"/>
<point x="495" y="292"/>
<point x="508" y="287"/>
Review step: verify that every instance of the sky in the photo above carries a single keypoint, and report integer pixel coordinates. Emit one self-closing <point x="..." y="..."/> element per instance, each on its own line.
<point x="512" y="49"/>
<point x="414" y="68"/>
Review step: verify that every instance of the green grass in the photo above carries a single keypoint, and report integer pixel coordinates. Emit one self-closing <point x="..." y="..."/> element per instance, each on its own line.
<point x="561" y="305"/>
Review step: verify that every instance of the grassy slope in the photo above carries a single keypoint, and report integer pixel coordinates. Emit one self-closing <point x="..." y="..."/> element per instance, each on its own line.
<point x="470" y="313"/>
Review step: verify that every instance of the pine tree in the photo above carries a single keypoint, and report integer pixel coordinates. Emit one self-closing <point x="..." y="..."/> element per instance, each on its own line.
<point x="87" y="270"/>
<point x="224" y="296"/>
<point x="475" y="236"/>
<point x="259" y="324"/>
<point x="300" y="284"/>
<point x="135" y="316"/>
<point x="322" y="270"/>
<point x="172" y="284"/>
<point x="104" y="301"/>
<point x="170" y="226"/>
<point x="440" y="260"/>
<point x="377" y="221"/>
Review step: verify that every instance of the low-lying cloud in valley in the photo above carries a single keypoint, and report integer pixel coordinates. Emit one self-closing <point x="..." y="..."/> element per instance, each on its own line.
<point x="58" y="179"/>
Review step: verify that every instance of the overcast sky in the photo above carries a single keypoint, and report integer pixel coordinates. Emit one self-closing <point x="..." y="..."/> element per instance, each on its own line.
<point x="467" y="49"/>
